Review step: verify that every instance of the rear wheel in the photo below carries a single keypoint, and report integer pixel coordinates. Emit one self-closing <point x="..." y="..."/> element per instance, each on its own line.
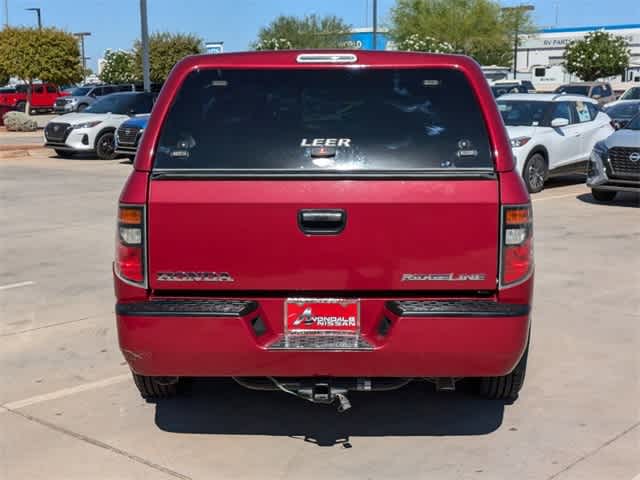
<point x="507" y="387"/>
<point x="603" y="195"/>
<point x="534" y="172"/>
<point x="106" y="146"/>
<point x="156" y="387"/>
<point x="63" y="153"/>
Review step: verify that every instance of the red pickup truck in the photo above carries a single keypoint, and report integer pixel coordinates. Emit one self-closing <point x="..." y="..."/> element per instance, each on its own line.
<point x="43" y="97"/>
<point x="325" y="222"/>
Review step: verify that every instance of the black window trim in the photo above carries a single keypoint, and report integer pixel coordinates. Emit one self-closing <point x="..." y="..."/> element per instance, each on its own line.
<point x="225" y="174"/>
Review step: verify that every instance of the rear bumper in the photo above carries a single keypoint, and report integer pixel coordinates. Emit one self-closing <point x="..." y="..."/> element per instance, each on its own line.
<point x="406" y="338"/>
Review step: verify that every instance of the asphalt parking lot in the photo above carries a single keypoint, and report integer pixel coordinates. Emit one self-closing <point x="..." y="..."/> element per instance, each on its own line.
<point x="69" y="408"/>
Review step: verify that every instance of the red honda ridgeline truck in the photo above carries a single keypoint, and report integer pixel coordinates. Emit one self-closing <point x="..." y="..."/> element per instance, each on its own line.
<point x="323" y="222"/>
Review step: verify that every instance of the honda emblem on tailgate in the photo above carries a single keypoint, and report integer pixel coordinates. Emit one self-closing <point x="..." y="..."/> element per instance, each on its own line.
<point x="194" y="277"/>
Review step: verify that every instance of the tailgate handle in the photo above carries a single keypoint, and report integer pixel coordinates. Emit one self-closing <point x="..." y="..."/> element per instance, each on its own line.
<point x="322" y="222"/>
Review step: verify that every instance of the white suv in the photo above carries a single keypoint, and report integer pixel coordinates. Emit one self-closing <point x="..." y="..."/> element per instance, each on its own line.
<point x="552" y="134"/>
<point x="93" y="130"/>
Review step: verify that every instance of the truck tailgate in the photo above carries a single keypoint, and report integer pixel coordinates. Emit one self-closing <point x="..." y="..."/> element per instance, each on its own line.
<point x="398" y="235"/>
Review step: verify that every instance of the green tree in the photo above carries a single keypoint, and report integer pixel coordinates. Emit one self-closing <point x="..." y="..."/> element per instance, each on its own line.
<point x="119" y="67"/>
<point x="273" y="44"/>
<point x="311" y="31"/>
<point x="50" y="55"/>
<point x="423" y="43"/>
<point x="4" y="78"/>
<point x="597" y="55"/>
<point x="165" y="50"/>
<point x="479" y="28"/>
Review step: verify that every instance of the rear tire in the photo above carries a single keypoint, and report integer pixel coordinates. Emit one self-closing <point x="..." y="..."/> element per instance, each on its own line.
<point x="603" y="195"/>
<point x="507" y="387"/>
<point x="63" y="153"/>
<point x="155" y="387"/>
<point x="535" y="172"/>
<point x="21" y="106"/>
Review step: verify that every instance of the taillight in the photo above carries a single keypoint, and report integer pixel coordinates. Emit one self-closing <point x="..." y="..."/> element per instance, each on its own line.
<point x="130" y="253"/>
<point x="516" y="261"/>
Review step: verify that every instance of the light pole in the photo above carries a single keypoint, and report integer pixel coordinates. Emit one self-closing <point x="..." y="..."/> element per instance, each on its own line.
<point x="517" y="11"/>
<point x="6" y="13"/>
<point x="37" y="10"/>
<point x="144" y="39"/>
<point x="81" y="36"/>
<point x="375" y="24"/>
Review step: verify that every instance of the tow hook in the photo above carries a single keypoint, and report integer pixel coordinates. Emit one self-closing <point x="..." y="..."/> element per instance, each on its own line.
<point x="323" y="393"/>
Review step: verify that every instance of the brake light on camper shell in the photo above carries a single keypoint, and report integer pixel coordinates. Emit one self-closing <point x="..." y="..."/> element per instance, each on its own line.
<point x="130" y="248"/>
<point x="516" y="246"/>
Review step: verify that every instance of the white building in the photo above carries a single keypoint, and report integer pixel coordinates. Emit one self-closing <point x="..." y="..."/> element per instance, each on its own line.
<point x="101" y="62"/>
<point x="540" y="55"/>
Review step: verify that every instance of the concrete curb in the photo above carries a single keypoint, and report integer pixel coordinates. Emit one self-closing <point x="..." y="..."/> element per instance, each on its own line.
<point x="17" y="151"/>
<point x="20" y="146"/>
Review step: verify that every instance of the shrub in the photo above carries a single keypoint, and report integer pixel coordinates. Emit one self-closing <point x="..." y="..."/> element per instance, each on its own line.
<point x="19" y="122"/>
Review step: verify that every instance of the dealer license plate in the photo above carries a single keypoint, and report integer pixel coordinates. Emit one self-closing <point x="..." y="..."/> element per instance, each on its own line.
<point x="304" y="315"/>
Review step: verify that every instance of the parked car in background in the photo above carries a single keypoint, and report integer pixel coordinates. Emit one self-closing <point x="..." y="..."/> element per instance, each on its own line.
<point x="129" y="134"/>
<point x="499" y="90"/>
<point x="615" y="163"/>
<point x="552" y="134"/>
<point x="622" y="111"/>
<point x="93" y="130"/>
<point x="527" y="85"/>
<point x="251" y="245"/>
<point x="599" y="91"/>
<point x="81" y="97"/>
<point x="43" y="97"/>
<point x="632" y="93"/>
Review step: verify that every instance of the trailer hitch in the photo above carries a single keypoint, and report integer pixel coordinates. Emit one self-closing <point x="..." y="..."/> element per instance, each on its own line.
<point x="321" y="392"/>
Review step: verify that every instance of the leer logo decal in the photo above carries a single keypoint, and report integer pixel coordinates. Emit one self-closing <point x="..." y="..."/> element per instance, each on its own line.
<point x="326" y="142"/>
